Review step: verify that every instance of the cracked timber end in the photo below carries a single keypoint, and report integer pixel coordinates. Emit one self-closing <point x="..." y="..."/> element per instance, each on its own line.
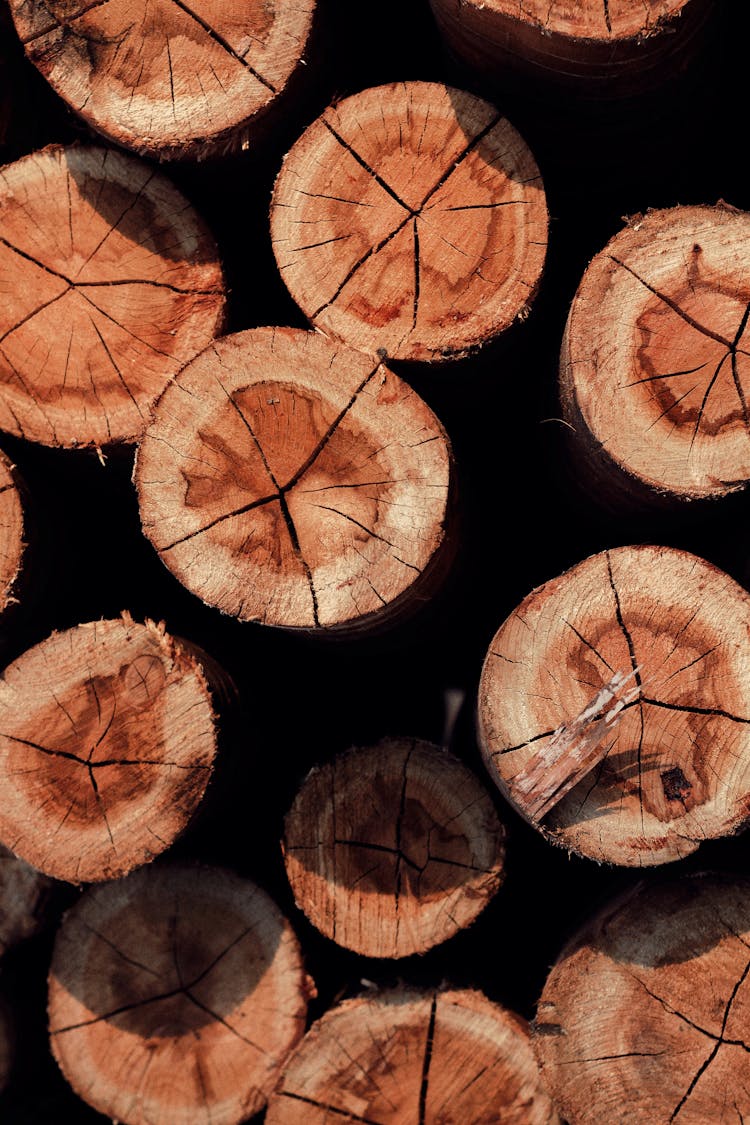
<point x="417" y="1057"/>
<point x="673" y="768"/>
<point x="175" y="995"/>
<point x="393" y="849"/>
<point x="168" y="79"/>
<point x="12" y="535"/>
<point x="291" y="481"/>
<point x="107" y="743"/>
<point x="648" y="1003"/>
<point x="111" y="281"/>
<point x="410" y="217"/>
<point x="655" y="363"/>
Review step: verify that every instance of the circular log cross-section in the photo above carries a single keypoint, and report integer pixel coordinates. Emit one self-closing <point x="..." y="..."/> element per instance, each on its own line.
<point x="290" y="481"/>
<point x="107" y="742"/>
<point x="655" y="364"/>
<point x="443" y="1058"/>
<point x="392" y="849"/>
<point x="11" y="534"/>
<point x="614" y="706"/>
<point x="175" y="996"/>
<point x="410" y="218"/>
<point x="163" y="77"/>
<point x="110" y="284"/>
<point x="24" y="894"/>
<point x="644" y="1018"/>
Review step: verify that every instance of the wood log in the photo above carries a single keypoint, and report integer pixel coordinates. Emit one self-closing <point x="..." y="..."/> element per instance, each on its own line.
<point x="111" y="284"/>
<point x="24" y="895"/>
<point x="107" y="741"/>
<point x="393" y="849"/>
<point x="672" y="766"/>
<point x="168" y="79"/>
<point x="655" y="362"/>
<point x="175" y="996"/>
<point x="294" y="482"/>
<point x="411" y="218"/>
<point x="12" y="535"/>
<point x="644" y="1016"/>
<point x="405" y="1056"/>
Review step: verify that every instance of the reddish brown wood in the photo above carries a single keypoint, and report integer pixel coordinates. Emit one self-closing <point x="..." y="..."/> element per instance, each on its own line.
<point x="12" y="534"/>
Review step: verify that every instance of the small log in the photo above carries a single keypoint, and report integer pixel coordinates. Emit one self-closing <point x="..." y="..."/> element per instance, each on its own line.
<point x="644" y="1017"/>
<point x="24" y="894"/>
<point x="411" y="218"/>
<point x="111" y="284"/>
<point x="408" y="1056"/>
<point x="655" y="363"/>
<point x="107" y="742"/>
<point x="294" y="482"/>
<point x="175" y="997"/>
<point x="12" y="533"/>
<point x="393" y="849"/>
<point x="654" y="641"/>
<point x="168" y="79"/>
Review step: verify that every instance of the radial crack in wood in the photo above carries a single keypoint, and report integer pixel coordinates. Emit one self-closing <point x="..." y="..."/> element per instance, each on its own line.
<point x="411" y="218"/>
<point x="675" y="768"/>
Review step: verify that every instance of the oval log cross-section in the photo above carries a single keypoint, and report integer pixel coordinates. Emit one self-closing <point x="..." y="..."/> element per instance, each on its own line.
<point x="392" y="849"/>
<point x="294" y="482"/>
<point x="107" y="742"/>
<point x="655" y="364"/>
<point x="644" y="1018"/>
<point x="163" y="77"/>
<point x="11" y="534"/>
<point x="410" y="218"/>
<point x="175" y="996"/>
<point x="110" y="282"/>
<point x="635" y="663"/>
<point x="442" y="1058"/>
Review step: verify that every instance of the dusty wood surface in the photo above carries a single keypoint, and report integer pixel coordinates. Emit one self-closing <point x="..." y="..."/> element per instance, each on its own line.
<point x="294" y="482"/>
<point x="24" y="893"/>
<point x="655" y="363"/>
<point x="167" y="78"/>
<point x="394" y="848"/>
<point x="412" y="218"/>
<point x="175" y="996"/>
<point x="107" y="742"/>
<point x="644" y="1018"/>
<point x="110" y="283"/>
<point x="11" y="534"/>
<point x="402" y="1057"/>
<point x="674" y="768"/>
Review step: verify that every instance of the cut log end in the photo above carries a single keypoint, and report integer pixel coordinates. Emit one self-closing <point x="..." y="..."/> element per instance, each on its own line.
<point x="394" y="848"/>
<point x="614" y="706"/>
<point x="107" y="742"/>
<point x="24" y="894"/>
<point x="168" y="79"/>
<point x="11" y="535"/>
<point x="176" y="995"/>
<point x="293" y="482"/>
<point x="111" y="283"/>
<point x="411" y="218"/>
<point x="412" y="1056"/>
<point x="651" y="998"/>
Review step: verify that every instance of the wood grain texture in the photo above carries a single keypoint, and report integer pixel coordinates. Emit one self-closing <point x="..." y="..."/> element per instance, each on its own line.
<point x="655" y="363"/>
<point x="24" y="894"/>
<point x="165" y="77"/>
<point x="644" y="1017"/>
<point x="107" y="742"/>
<point x="12" y="532"/>
<point x="110" y="283"/>
<point x="674" y="769"/>
<point x="294" y="482"/>
<point x="175" y="996"/>
<point x="394" y="848"/>
<point x="403" y="1057"/>
<point x="411" y="218"/>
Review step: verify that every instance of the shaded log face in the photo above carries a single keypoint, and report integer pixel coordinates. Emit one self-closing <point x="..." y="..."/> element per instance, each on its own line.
<point x="435" y="1058"/>
<point x="23" y="894"/>
<point x="111" y="283"/>
<point x="412" y="218"/>
<point x="175" y="996"/>
<point x="655" y="367"/>
<point x="293" y="482"/>
<point x="672" y="768"/>
<point x="392" y="849"/>
<point x="11" y="534"/>
<point x="165" y="77"/>
<point x="648" y="1009"/>
<point x="107" y="740"/>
